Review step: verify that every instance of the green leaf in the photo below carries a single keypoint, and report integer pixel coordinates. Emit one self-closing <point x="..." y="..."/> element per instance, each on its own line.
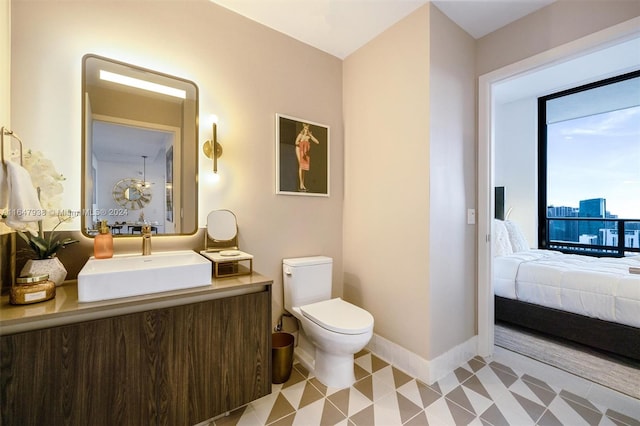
<point x="45" y="248"/>
<point x="39" y="242"/>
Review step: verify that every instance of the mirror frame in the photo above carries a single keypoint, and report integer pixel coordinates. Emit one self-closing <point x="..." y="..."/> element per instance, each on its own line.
<point x="191" y="179"/>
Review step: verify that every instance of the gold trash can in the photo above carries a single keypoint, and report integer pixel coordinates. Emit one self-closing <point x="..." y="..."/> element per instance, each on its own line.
<point x="281" y="357"/>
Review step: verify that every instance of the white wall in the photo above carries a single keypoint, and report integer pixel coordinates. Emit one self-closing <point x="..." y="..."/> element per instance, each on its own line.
<point x="516" y="162"/>
<point x="241" y="81"/>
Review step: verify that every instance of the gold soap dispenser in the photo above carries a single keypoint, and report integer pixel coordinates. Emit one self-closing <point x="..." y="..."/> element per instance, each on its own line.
<point x="103" y="242"/>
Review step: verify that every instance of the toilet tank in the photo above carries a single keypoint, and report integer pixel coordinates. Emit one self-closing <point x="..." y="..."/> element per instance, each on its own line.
<point x="306" y="280"/>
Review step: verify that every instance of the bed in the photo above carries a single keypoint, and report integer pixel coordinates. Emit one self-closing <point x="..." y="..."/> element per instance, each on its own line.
<point x="589" y="300"/>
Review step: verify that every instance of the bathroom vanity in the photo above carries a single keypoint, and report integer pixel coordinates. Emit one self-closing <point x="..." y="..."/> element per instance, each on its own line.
<point x="172" y="358"/>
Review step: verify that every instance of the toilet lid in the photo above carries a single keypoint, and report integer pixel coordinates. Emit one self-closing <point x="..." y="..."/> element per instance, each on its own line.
<point x="339" y="316"/>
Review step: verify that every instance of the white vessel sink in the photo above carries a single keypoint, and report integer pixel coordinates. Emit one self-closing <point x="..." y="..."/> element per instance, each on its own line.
<point x="134" y="275"/>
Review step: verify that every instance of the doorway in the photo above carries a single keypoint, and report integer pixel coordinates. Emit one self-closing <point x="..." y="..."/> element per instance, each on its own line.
<point x="590" y="58"/>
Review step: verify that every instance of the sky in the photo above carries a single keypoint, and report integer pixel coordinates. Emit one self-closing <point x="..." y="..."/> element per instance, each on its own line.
<point x="597" y="156"/>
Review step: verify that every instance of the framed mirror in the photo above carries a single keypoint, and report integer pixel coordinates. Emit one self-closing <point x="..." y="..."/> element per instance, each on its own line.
<point x="139" y="149"/>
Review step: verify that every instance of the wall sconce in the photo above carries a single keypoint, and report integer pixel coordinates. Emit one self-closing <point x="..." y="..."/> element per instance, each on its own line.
<point x="212" y="149"/>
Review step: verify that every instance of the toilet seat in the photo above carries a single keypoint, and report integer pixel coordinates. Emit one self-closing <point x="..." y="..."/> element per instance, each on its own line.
<point x="338" y="316"/>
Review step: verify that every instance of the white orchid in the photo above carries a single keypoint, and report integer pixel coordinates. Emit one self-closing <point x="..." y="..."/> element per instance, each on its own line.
<point x="45" y="176"/>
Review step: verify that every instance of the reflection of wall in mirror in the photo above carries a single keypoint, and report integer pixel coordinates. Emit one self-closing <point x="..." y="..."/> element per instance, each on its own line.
<point x="124" y="149"/>
<point x="113" y="171"/>
<point x="134" y="107"/>
<point x="94" y="195"/>
<point x="128" y="109"/>
<point x="169" y="185"/>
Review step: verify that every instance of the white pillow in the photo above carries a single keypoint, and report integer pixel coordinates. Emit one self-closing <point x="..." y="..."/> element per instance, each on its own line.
<point x="501" y="243"/>
<point x="516" y="237"/>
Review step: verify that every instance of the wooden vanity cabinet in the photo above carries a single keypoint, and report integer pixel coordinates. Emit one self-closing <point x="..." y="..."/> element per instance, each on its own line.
<point x="172" y="366"/>
<point x="96" y="372"/>
<point x="218" y="357"/>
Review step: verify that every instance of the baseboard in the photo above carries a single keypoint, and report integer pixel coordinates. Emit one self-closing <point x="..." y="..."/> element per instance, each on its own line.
<point x="424" y="370"/>
<point x="427" y="371"/>
<point x="305" y="359"/>
<point x="453" y="358"/>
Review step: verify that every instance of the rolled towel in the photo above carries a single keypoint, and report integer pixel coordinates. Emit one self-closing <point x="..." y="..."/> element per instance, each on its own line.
<point x="23" y="204"/>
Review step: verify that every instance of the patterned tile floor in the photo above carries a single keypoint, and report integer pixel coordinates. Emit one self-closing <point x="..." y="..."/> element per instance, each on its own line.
<point x="481" y="392"/>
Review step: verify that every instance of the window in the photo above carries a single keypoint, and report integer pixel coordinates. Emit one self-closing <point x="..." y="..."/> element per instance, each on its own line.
<point x="589" y="168"/>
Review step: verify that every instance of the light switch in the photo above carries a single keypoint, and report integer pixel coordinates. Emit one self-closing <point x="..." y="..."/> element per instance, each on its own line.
<point x="471" y="216"/>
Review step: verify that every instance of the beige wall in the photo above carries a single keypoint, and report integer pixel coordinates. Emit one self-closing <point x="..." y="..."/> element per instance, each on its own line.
<point x="239" y="79"/>
<point x="396" y="217"/>
<point x="6" y="241"/>
<point x="5" y="63"/>
<point x="452" y="313"/>
<point x="386" y="206"/>
<point x="551" y="26"/>
<point x="410" y="176"/>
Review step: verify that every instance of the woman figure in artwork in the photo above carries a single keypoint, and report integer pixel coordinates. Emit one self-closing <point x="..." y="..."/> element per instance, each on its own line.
<point x="303" y="145"/>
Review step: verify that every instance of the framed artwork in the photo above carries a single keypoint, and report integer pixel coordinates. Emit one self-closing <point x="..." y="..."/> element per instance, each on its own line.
<point x="302" y="157"/>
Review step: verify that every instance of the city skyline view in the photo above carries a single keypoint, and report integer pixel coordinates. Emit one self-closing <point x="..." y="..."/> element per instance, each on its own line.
<point x="596" y="156"/>
<point x="591" y="232"/>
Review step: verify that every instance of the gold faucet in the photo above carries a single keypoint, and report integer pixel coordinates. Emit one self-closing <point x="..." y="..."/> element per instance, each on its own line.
<point x="146" y="240"/>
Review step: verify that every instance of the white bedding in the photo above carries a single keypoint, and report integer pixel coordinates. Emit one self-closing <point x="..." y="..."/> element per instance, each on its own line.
<point x="596" y="287"/>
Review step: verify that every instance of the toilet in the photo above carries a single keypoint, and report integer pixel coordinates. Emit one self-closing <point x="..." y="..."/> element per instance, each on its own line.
<point x="331" y="329"/>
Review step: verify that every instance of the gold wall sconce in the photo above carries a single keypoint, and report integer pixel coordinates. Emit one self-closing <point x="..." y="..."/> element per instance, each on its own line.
<point x="212" y="148"/>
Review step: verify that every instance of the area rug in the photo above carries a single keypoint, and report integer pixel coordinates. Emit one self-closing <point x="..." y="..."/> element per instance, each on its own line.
<point x="622" y="375"/>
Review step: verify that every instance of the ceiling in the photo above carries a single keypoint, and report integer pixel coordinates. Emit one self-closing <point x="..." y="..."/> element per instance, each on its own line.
<point x="113" y="142"/>
<point x="481" y="17"/>
<point x="340" y="27"/>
